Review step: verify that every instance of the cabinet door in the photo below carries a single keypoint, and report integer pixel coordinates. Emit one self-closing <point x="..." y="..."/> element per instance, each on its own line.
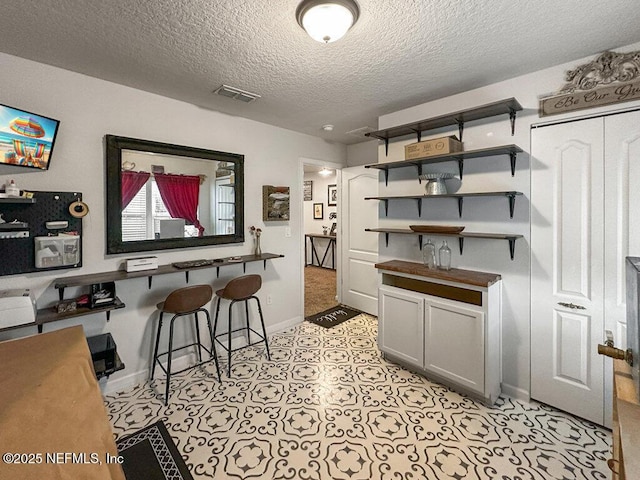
<point x="401" y="324"/>
<point x="454" y="343"/>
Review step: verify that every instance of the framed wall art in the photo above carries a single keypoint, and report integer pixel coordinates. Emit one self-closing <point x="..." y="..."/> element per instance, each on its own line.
<point x="275" y="203"/>
<point x="332" y="195"/>
<point x="307" y="190"/>
<point x="318" y="211"/>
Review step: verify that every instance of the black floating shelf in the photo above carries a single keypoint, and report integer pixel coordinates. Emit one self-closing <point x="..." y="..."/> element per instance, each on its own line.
<point x="17" y="200"/>
<point x="511" y="238"/>
<point x="460" y="157"/>
<point x="511" y="195"/>
<point x="509" y="105"/>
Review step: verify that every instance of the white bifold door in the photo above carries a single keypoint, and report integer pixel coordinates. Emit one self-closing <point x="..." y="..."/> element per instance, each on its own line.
<point x="583" y="190"/>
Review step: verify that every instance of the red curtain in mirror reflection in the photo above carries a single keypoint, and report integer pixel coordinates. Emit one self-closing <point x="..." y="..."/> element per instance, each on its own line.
<point x="180" y="195"/>
<point x="132" y="182"/>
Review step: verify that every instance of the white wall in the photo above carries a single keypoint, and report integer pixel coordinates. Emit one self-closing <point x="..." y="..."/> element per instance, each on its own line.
<point x="319" y="194"/>
<point x="88" y="109"/>
<point x="362" y="153"/>
<point x="483" y="215"/>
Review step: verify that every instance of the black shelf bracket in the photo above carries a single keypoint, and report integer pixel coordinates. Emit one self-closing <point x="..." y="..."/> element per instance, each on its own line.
<point x="149" y="281"/>
<point x="420" y="242"/>
<point x="386" y="237"/>
<point x="460" y="128"/>
<point x="460" y="167"/>
<point x="186" y="276"/>
<point x="264" y="264"/>
<point x="418" y="134"/>
<point x="512" y="156"/>
<point x="419" y="165"/>
<point x="386" y="176"/>
<point x="386" y="147"/>
<point x="419" y="200"/>
<point x="512" y="204"/>
<point x="60" y="294"/>
<point x="460" y="199"/>
<point x="512" y="246"/>
<point x="108" y="315"/>
<point x="461" y="244"/>
<point x="217" y="272"/>
<point x="244" y="268"/>
<point x="40" y="328"/>
<point x="386" y="207"/>
<point x="512" y="118"/>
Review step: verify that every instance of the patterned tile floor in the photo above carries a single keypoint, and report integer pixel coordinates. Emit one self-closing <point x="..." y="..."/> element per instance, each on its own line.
<point x="328" y="406"/>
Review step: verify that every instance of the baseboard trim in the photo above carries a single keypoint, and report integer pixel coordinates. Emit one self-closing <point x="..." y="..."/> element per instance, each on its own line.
<point x="516" y="392"/>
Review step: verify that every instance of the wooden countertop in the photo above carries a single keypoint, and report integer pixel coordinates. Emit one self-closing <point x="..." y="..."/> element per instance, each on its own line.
<point x="468" y="277"/>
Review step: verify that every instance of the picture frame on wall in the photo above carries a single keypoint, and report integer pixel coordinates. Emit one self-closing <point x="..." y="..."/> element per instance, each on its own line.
<point x="307" y="190"/>
<point x="318" y="211"/>
<point x="275" y="203"/>
<point x="332" y="195"/>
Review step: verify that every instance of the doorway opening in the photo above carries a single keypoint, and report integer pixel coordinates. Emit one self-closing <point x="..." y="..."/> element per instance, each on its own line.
<point x="320" y="227"/>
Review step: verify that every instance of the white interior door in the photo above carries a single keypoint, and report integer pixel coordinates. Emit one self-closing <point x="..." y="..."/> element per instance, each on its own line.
<point x="359" y="249"/>
<point x="567" y="278"/>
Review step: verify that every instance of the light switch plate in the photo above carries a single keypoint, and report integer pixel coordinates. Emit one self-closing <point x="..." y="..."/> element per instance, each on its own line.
<point x="287" y="232"/>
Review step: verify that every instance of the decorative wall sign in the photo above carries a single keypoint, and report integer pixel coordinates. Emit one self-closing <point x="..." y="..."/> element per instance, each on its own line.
<point x="307" y="190"/>
<point x="609" y="79"/>
<point x="275" y="203"/>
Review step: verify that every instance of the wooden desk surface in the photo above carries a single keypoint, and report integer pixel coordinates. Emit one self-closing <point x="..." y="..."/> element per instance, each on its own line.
<point x="50" y="403"/>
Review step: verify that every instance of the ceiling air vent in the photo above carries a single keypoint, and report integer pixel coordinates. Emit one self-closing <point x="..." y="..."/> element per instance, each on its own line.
<point x="360" y="132"/>
<point x="236" y="93"/>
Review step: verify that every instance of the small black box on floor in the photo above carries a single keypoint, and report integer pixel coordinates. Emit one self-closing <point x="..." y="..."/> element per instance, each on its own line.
<point x="102" y="347"/>
<point x="102" y="294"/>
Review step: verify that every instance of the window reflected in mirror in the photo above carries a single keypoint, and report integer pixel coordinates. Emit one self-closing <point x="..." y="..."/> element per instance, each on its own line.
<point x="168" y="197"/>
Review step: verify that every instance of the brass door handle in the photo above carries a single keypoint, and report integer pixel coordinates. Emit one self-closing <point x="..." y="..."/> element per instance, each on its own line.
<point x="572" y="306"/>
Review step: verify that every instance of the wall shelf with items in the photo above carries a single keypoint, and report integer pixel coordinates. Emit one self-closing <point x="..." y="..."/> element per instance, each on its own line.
<point x="509" y="105"/>
<point x="511" y="195"/>
<point x="460" y="157"/>
<point x="50" y="314"/>
<point x="17" y="200"/>
<point x="511" y="238"/>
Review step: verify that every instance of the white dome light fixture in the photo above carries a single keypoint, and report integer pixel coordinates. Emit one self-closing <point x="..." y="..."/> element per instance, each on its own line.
<point x="325" y="172"/>
<point x="327" y="20"/>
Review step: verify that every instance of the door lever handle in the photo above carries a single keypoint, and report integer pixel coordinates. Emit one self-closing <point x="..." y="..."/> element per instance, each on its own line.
<point x="572" y="306"/>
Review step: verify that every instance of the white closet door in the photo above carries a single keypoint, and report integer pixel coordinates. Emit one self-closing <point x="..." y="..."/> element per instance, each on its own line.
<point x="567" y="248"/>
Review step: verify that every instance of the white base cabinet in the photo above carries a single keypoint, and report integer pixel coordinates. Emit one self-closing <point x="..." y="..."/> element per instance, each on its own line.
<point x="454" y="342"/>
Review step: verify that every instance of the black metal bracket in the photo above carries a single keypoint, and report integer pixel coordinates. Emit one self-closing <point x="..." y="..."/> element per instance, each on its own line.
<point x="186" y="276"/>
<point x="108" y="315"/>
<point x="460" y="128"/>
<point x="420" y="242"/>
<point x="461" y="244"/>
<point x="386" y="237"/>
<point x="149" y="281"/>
<point x="418" y="134"/>
<point x="512" y="246"/>
<point x="386" y="206"/>
<point x="460" y="167"/>
<point x="460" y="199"/>
<point x="40" y="328"/>
<point x="217" y="272"/>
<point x="244" y="268"/>
<point x="264" y="267"/>
<point x="512" y="118"/>
<point x="61" y="293"/>
<point x="512" y="204"/>
<point x="419" y="200"/>
<point x="386" y="147"/>
<point x="512" y="156"/>
<point x="386" y="176"/>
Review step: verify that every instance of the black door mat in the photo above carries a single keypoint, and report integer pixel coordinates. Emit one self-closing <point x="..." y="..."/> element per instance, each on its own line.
<point x="334" y="316"/>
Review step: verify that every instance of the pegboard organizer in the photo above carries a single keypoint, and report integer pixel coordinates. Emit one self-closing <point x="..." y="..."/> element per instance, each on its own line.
<point x="17" y="254"/>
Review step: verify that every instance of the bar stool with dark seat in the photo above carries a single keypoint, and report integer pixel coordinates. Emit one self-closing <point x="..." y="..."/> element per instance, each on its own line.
<point x="182" y="302"/>
<point x="241" y="289"/>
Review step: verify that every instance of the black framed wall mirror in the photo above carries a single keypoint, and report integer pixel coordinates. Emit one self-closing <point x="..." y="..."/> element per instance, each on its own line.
<point x="163" y="196"/>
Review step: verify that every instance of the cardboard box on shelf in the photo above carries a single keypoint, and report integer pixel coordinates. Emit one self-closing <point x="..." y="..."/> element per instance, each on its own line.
<point x="429" y="148"/>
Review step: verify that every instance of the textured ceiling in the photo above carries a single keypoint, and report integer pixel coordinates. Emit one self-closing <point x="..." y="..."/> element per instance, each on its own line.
<point x="400" y="53"/>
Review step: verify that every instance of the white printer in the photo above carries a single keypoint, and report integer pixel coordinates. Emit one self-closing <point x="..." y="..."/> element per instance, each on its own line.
<point x="17" y="307"/>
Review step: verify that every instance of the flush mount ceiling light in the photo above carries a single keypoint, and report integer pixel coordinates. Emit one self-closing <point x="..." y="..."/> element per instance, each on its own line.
<point x="327" y="20"/>
<point x="325" y="171"/>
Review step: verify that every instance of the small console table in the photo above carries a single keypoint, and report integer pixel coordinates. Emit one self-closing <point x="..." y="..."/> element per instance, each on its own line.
<point x="331" y="245"/>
